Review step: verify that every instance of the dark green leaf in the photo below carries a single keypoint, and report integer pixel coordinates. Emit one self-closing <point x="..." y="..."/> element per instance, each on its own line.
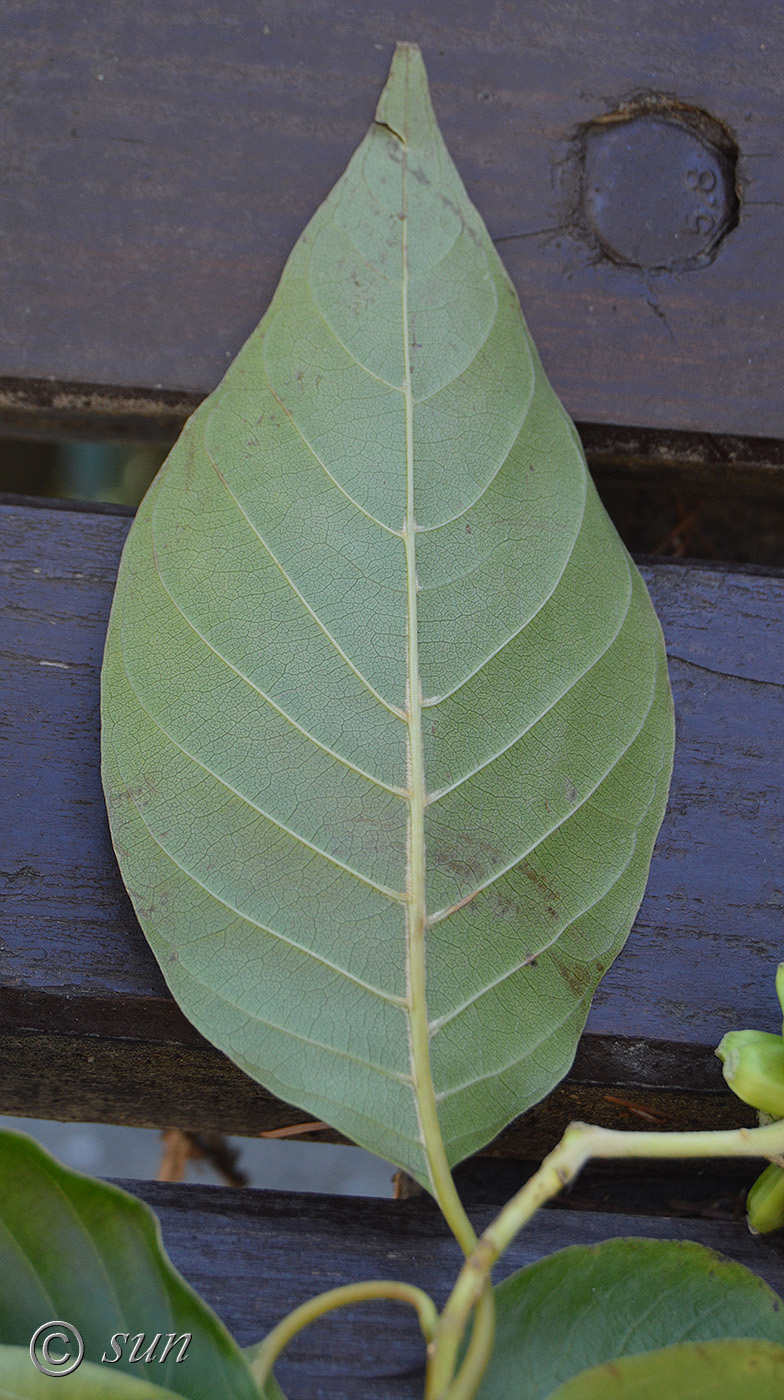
<point x="83" y="1252"/>
<point x="591" y="1304"/>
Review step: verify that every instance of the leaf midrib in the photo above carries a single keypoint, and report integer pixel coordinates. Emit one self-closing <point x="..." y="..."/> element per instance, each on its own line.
<point x="424" y="1094"/>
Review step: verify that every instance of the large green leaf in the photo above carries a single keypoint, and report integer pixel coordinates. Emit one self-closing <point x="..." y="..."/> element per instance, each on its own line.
<point x="589" y="1305"/>
<point x="387" y="725"/>
<point x="86" y="1253"/>
<point x="19" y="1380"/>
<point x="728" y="1370"/>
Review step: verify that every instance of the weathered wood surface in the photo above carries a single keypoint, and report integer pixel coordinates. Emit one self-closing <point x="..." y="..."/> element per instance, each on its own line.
<point x="253" y="1255"/>
<point x="158" y="163"/>
<point x="87" y="1027"/>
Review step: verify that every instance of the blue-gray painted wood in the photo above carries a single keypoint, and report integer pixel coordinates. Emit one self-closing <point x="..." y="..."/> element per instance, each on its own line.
<point x="159" y="162"/>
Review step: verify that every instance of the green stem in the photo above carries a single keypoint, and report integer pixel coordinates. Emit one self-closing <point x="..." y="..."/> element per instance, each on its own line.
<point x="280" y="1336"/>
<point x="466" y="1382"/>
<point x="580" y="1143"/>
<point x="444" y="1348"/>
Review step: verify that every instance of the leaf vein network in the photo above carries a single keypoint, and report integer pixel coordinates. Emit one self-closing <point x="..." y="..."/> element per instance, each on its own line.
<point x="255" y="923"/>
<point x="320" y="462"/>
<point x="274" y="821"/>
<point x="395" y="388"/>
<point x="306" y="733"/>
<point x="440" y="1021"/>
<point x="537" y="719"/>
<point x="398" y="1077"/>
<point x="551" y="1030"/>
<point x="491" y="879"/>
<point x="447" y="695"/>
<point x="333" y="642"/>
<point x="473" y="503"/>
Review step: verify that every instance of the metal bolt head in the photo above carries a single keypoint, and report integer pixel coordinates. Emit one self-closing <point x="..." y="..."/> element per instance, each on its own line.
<point x="656" y="193"/>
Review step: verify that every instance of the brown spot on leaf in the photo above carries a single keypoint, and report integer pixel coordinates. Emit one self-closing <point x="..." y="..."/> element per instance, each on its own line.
<point x="468" y="856"/>
<point x="419" y="175"/>
<point x="577" y="976"/>
<point x="541" y="883"/>
<point x="503" y="906"/>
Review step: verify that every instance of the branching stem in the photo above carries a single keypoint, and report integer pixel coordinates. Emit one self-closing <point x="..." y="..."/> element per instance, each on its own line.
<point x="472" y="1293"/>
<point x="580" y="1143"/>
<point x="445" y="1349"/>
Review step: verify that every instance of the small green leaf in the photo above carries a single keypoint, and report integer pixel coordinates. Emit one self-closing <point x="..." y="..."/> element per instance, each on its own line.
<point x="591" y="1304"/>
<point x="387" y="730"/>
<point x="80" y="1251"/>
<point x="19" y="1380"/>
<point x="724" y="1370"/>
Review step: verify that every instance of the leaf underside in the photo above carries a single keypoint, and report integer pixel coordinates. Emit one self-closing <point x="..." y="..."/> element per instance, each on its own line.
<point x="387" y="725"/>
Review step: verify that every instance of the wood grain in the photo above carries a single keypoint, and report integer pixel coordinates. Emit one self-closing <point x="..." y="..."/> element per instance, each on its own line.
<point x="159" y="162"/>
<point x="88" y="1028"/>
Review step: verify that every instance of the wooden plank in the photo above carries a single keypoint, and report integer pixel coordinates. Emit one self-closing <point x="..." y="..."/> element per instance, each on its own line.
<point x="150" y="1083"/>
<point x="253" y="1255"/>
<point x="87" y="1026"/>
<point x="691" y="494"/>
<point x="160" y="162"/>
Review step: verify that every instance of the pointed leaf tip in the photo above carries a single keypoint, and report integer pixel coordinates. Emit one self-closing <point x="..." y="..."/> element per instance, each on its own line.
<point x="404" y="105"/>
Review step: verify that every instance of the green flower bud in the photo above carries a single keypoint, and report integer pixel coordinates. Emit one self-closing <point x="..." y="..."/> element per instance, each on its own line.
<point x="765" y="1202"/>
<point x="754" y="1069"/>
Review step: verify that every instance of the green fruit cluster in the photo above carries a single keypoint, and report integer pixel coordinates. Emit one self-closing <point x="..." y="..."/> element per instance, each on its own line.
<point x="753" y="1066"/>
